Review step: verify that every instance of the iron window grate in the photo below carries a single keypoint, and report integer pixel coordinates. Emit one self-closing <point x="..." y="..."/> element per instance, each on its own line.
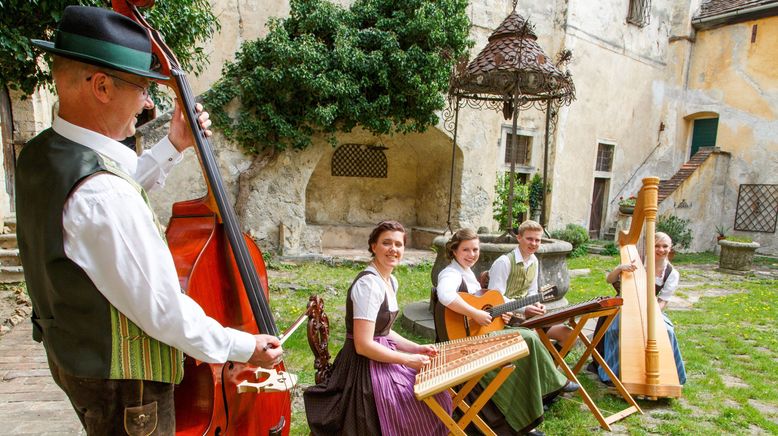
<point x="639" y="12"/>
<point x="757" y="208"/>
<point x="359" y="160"/>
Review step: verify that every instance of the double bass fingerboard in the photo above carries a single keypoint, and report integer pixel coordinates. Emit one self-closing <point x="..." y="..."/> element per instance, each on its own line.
<point x="462" y="359"/>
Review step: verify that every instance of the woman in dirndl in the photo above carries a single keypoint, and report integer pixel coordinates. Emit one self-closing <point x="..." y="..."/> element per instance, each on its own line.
<point x="370" y="390"/>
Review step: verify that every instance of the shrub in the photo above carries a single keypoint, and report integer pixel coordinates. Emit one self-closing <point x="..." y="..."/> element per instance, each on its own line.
<point x="535" y="192"/>
<point x="677" y="228"/>
<point x="576" y="235"/>
<point x="500" y="205"/>
<point x="610" y="249"/>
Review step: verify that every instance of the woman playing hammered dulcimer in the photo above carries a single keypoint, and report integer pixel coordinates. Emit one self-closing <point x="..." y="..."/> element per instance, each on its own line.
<point x="370" y="391"/>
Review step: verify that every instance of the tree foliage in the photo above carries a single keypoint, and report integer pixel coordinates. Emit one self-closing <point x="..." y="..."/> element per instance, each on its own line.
<point x="184" y="23"/>
<point x="381" y="64"/>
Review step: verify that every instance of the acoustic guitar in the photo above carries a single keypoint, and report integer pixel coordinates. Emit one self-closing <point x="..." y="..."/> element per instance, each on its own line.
<point x="458" y="326"/>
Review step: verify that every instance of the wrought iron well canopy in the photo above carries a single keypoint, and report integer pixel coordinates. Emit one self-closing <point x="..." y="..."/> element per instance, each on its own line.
<point x="510" y="74"/>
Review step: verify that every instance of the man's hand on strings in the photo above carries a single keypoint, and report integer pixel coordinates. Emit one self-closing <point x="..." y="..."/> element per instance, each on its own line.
<point x="180" y="135"/>
<point x="534" y="310"/>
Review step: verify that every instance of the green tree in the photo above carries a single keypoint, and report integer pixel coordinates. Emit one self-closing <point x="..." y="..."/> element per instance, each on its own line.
<point x="184" y="24"/>
<point x="381" y="64"/>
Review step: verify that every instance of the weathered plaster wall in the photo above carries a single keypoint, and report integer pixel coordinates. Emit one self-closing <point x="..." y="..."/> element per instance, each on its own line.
<point x="623" y="97"/>
<point x="699" y="199"/>
<point x="735" y="78"/>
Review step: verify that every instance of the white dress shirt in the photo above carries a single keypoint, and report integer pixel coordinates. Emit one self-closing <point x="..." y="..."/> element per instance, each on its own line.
<point x="501" y="269"/>
<point x="368" y="294"/>
<point x="110" y="232"/>
<point x="450" y="279"/>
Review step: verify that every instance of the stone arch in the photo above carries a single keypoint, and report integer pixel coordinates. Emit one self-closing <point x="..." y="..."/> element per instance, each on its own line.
<point x="415" y="190"/>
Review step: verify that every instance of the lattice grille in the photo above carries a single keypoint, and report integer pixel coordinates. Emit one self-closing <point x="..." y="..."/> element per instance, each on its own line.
<point x="359" y="160"/>
<point x="639" y="12"/>
<point x="757" y="208"/>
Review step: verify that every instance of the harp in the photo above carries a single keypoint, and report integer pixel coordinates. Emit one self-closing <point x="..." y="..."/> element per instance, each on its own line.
<point x="646" y="357"/>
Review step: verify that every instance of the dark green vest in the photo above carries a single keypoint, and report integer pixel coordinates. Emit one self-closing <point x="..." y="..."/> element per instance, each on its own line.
<point x="82" y="332"/>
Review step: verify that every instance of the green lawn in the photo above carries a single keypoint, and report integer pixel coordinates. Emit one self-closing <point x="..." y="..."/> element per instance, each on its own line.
<point x="727" y="338"/>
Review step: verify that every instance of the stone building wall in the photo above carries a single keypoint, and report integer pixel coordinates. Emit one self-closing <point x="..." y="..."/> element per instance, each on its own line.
<point x="639" y="89"/>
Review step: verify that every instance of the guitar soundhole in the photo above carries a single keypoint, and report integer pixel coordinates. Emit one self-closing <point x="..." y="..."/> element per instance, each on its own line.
<point x="487" y="307"/>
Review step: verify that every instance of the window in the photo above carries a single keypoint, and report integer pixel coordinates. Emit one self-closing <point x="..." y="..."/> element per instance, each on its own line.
<point x="604" y="157"/>
<point x="522" y="149"/>
<point x="639" y="12"/>
<point x="359" y="160"/>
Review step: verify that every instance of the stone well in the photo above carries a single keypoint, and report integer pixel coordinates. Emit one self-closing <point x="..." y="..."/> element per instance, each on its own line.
<point x="552" y="256"/>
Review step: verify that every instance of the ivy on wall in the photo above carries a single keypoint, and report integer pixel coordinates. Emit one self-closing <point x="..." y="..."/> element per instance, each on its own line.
<point x="184" y="23"/>
<point x="381" y="64"/>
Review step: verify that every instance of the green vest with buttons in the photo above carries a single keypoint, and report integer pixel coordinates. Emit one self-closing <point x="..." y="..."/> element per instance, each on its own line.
<point x="83" y="333"/>
<point x="519" y="278"/>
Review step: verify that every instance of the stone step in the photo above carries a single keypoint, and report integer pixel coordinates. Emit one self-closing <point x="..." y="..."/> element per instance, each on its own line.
<point x="11" y="274"/>
<point x="10" y="257"/>
<point x="10" y="222"/>
<point x="595" y="249"/>
<point x="8" y="240"/>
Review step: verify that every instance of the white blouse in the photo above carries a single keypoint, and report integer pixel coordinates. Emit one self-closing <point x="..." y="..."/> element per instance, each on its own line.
<point x="670" y="285"/>
<point x="368" y="294"/>
<point x="449" y="280"/>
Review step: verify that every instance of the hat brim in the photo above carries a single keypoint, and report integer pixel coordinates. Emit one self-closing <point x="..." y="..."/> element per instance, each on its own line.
<point x="49" y="47"/>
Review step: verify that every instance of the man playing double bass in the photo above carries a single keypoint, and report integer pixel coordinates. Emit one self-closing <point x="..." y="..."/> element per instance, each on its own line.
<point x="107" y="303"/>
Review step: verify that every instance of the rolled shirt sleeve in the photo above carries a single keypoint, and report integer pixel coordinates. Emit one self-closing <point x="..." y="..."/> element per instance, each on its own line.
<point x="155" y="164"/>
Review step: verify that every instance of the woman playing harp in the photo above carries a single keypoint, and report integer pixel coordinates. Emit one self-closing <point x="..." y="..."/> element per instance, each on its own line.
<point x="667" y="278"/>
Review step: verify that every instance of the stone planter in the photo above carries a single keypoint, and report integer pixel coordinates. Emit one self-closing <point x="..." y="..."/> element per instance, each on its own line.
<point x="627" y="210"/>
<point x="552" y="256"/>
<point x="736" y="257"/>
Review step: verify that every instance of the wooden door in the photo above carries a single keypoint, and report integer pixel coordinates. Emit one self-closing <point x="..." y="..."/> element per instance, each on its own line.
<point x="598" y="204"/>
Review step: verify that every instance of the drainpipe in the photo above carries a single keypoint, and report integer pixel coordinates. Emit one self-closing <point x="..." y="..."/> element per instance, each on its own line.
<point x="703" y="23"/>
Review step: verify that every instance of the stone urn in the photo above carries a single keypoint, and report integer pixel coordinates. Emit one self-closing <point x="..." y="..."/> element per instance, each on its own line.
<point x="736" y="257"/>
<point x="552" y="256"/>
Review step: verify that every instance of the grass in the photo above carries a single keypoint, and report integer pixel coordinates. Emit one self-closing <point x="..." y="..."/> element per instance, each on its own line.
<point x="728" y="341"/>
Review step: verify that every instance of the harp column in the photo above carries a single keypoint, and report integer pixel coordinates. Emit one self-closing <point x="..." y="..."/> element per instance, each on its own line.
<point x="651" y="190"/>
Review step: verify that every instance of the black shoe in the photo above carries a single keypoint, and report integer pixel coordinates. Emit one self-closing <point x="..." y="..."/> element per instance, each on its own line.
<point x="592" y="367"/>
<point x="570" y="387"/>
<point x="535" y="433"/>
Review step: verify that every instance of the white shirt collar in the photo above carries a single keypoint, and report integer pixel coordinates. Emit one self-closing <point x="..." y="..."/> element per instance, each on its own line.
<point x="457" y="266"/>
<point x="112" y="149"/>
<point x="519" y="258"/>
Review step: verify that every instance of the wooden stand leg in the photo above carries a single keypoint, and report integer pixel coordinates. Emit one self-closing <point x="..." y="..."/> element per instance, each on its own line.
<point x="590" y="350"/>
<point x="470" y="411"/>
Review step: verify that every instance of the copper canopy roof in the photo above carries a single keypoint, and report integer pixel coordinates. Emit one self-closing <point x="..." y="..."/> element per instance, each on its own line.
<point x="513" y="57"/>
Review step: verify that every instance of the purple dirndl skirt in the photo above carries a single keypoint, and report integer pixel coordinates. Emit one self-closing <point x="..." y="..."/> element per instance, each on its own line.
<point x="399" y="412"/>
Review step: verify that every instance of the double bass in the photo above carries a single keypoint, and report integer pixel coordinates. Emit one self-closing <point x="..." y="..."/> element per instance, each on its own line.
<point x="222" y="269"/>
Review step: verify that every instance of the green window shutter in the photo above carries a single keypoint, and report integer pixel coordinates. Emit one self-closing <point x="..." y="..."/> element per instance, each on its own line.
<point x="704" y="134"/>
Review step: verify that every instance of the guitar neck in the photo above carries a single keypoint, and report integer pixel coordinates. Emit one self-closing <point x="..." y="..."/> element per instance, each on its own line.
<point x="513" y="305"/>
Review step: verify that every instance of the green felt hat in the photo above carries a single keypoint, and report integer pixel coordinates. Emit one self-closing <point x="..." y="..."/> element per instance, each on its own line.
<point x="104" y="38"/>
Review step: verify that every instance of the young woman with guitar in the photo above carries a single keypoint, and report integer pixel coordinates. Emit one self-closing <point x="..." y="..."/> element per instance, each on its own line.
<point x="520" y="399"/>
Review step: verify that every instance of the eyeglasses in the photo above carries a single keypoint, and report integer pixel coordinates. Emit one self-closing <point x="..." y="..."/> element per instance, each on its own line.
<point x="144" y="89"/>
